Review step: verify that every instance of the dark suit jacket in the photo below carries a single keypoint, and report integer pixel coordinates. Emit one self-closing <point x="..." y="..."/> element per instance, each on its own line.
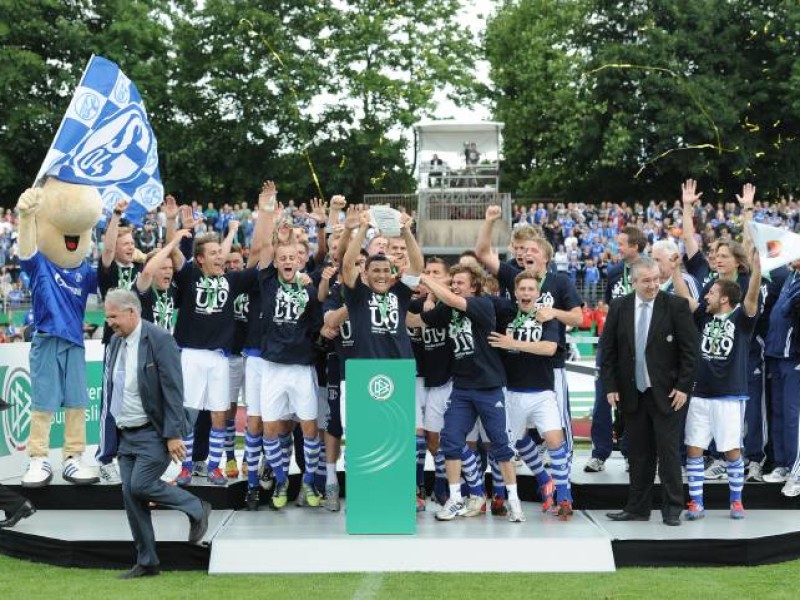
<point x="671" y="353"/>
<point x="159" y="376"/>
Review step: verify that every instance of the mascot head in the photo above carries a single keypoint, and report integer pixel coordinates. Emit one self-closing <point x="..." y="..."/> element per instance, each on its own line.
<point x="64" y="221"/>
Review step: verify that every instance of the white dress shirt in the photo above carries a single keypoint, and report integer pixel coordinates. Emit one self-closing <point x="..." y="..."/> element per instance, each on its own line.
<point x="638" y="306"/>
<point x="132" y="412"/>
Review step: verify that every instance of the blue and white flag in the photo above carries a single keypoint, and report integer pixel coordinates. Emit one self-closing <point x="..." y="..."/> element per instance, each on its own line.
<point x="106" y="141"/>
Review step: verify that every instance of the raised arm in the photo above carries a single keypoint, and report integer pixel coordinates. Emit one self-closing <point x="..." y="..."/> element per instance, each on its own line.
<point x="28" y="205"/>
<point x="746" y="201"/>
<point x="111" y="233"/>
<point x="679" y="284"/>
<point x="483" y="247"/>
<point x="150" y="270"/>
<point x="319" y="214"/>
<point x="689" y="196"/>
<point x="416" y="262"/>
<point x="349" y="267"/>
<point x="266" y="222"/>
<point x="227" y="243"/>
<point x="754" y="287"/>
<point x="444" y="294"/>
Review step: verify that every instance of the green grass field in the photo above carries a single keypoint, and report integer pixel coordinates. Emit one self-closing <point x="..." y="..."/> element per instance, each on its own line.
<point x="22" y="580"/>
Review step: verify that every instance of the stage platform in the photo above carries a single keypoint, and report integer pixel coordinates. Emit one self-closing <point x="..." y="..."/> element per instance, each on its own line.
<point x="86" y="527"/>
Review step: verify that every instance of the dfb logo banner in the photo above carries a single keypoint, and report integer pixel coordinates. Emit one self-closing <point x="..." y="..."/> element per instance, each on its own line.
<point x="105" y="140"/>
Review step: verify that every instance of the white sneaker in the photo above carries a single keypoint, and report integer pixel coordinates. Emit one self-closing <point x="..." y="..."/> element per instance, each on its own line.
<point x="451" y="510"/>
<point x="594" y="465"/>
<point x="109" y="475"/>
<point x="76" y="473"/>
<point x="200" y="468"/>
<point x="716" y="470"/>
<point x="754" y="471"/>
<point x="792" y="486"/>
<point x="779" y="475"/>
<point x="332" y="502"/>
<point x="515" y="514"/>
<point x="39" y="473"/>
<point x="474" y="506"/>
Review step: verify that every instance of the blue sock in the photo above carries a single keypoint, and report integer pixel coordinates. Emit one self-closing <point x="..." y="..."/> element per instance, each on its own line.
<point x="274" y="454"/>
<point x="230" y="439"/>
<point x="188" y="441"/>
<point x="469" y="466"/>
<point x="694" y="472"/>
<point x="530" y="456"/>
<point x="311" y="454"/>
<point x="216" y="440"/>
<point x="440" y="487"/>
<point x="498" y="484"/>
<point x="736" y="478"/>
<point x="421" y="449"/>
<point x="321" y="476"/>
<point x="559" y="465"/>
<point x="252" y="454"/>
<point x="287" y="448"/>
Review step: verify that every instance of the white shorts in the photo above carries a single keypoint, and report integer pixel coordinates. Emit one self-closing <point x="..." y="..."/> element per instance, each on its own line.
<point x="562" y="400"/>
<point x="419" y="402"/>
<point x="254" y="369"/>
<point x="435" y="404"/>
<point x="526" y="410"/>
<point x="287" y="389"/>
<point x="206" y="382"/>
<point x="236" y="373"/>
<point x="720" y="420"/>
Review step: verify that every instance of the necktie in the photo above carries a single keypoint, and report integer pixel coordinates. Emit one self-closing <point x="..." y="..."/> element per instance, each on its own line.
<point x="641" y="344"/>
<point x="119" y="381"/>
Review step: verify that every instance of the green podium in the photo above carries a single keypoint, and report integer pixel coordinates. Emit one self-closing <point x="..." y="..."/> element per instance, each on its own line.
<point x="380" y="446"/>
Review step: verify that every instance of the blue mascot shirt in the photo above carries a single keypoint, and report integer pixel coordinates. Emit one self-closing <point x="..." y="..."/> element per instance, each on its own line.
<point x="59" y="296"/>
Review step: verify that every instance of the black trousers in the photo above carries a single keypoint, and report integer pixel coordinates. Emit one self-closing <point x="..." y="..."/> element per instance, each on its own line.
<point x="654" y="440"/>
<point x="10" y="501"/>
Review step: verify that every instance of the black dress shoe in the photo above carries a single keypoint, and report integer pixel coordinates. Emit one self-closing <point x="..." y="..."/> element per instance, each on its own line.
<point x="198" y="528"/>
<point x="626" y="516"/>
<point x="23" y="512"/>
<point x="672" y="521"/>
<point x="140" y="571"/>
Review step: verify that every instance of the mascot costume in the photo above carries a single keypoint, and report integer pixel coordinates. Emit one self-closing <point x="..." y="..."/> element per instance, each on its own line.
<point x="55" y="230"/>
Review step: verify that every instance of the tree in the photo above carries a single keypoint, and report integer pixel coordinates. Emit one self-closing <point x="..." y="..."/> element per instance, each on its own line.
<point x="656" y="90"/>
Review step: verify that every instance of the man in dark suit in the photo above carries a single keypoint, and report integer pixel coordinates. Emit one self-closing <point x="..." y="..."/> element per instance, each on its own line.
<point x="144" y="387"/>
<point x="649" y="349"/>
<point x="12" y="504"/>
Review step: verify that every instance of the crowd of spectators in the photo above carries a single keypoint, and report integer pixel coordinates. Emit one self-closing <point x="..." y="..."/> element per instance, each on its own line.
<point x="584" y="236"/>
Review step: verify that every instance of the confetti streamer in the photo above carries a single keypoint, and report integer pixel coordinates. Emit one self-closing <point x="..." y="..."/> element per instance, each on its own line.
<point x="716" y="146"/>
<point x="252" y="33"/>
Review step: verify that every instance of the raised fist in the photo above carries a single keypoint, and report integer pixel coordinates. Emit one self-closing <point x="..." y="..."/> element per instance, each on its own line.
<point x="493" y="212"/>
<point x="30" y="202"/>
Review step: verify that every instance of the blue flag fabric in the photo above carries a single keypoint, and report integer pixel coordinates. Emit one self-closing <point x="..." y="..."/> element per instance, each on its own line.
<point x="106" y="141"/>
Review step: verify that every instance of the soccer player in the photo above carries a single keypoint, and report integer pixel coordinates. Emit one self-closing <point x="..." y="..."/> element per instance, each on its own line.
<point x="782" y="348"/>
<point x="205" y="333"/>
<point x="116" y="270"/>
<point x="234" y="262"/>
<point x="528" y="349"/>
<point x="154" y="284"/>
<point x="291" y="321"/>
<point x="716" y="410"/>
<point x="435" y="365"/>
<point x="478" y="380"/>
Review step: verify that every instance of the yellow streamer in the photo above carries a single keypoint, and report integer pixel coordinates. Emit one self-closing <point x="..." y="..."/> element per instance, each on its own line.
<point x="251" y="31"/>
<point x="717" y="146"/>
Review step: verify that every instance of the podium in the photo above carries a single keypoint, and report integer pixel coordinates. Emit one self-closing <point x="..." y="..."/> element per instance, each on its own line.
<point x="380" y="461"/>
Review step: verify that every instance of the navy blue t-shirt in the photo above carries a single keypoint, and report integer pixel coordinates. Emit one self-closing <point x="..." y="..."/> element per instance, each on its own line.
<point x="379" y="321"/>
<point x="254" y="329"/>
<point x="526" y="371"/>
<point x="556" y="290"/>
<point x="476" y="365"/>
<point x="782" y="339"/>
<point x="698" y="267"/>
<point x="619" y="282"/>
<point x="722" y="363"/>
<point x="205" y="307"/>
<point x="344" y="343"/>
<point x="158" y="306"/>
<point x="115" y="276"/>
<point x="292" y="317"/>
<point x="437" y="357"/>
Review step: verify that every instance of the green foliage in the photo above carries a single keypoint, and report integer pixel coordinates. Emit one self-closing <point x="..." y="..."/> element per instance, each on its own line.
<point x="239" y="90"/>
<point x="623" y="100"/>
